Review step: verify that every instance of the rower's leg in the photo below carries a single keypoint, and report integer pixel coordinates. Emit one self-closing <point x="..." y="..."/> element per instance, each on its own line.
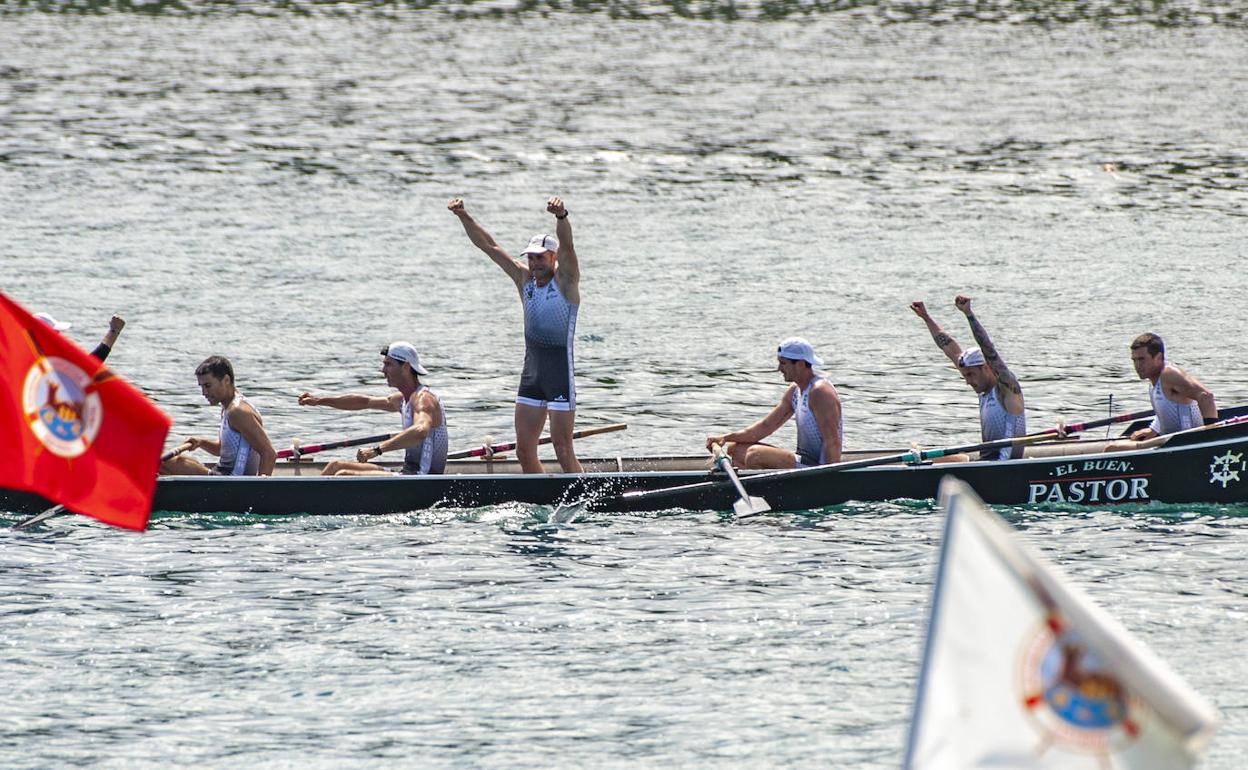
<point x="181" y="465"/>
<point x="529" y="423"/>
<point x="561" y="426"/>
<point x="736" y="453"/>
<point x="769" y="457"/>
<point x="335" y="467"/>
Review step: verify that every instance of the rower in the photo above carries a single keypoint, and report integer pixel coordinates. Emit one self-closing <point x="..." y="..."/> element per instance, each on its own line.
<point x="1180" y="402"/>
<point x="241" y="444"/>
<point x="811" y="398"/>
<point x="1001" y="413"/>
<point x="549" y="286"/>
<point x="424" y="436"/>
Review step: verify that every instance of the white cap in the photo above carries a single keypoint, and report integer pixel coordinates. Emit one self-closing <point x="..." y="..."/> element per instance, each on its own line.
<point x="405" y="352"/>
<point x="60" y="326"/>
<point x="971" y="357"/>
<point x="540" y="244"/>
<point x="798" y="349"/>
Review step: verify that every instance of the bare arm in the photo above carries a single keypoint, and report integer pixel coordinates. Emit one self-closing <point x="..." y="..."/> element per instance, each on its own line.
<point x="948" y="345"/>
<point x="760" y="430"/>
<point x="247" y="423"/>
<point x="210" y="445"/>
<point x="827" y="410"/>
<point x="1177" y="382"/>
<point x="424" y="418"/>
<point x="516" y="271"/>
<point x="1011" y="390"/>
<point x="354" y="401"/>
<point x="115" y="325"/>
<point x="568" y="271"/>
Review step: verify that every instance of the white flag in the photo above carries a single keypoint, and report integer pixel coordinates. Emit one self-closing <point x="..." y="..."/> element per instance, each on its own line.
<point x="1022" y="670"/>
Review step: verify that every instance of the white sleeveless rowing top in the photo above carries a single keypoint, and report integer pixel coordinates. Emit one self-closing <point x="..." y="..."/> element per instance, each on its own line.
<point x="809" y="437"/>
<point x="995" y="423"/>
<point x="1171" y="417"/>
<point x="429" y="456"/>
<point x="237" y="457"/>
<point x="549" y="318"/>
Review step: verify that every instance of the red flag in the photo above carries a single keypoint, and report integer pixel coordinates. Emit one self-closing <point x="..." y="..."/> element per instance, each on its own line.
<point x="70" y="430"/>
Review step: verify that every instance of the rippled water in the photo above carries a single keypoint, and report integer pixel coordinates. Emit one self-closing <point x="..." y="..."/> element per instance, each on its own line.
<point x="269" y="182"/>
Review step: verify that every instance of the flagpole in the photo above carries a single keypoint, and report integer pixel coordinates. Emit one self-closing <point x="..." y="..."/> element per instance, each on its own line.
<point x="947" y="492"/>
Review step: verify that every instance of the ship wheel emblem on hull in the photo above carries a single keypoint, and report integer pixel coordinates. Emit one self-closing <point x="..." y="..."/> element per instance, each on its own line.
<point x="1225" y="468"/>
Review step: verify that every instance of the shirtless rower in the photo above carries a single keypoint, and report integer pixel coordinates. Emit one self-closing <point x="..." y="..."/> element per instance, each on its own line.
<point x="549" y="286"/>
<point x="1179" y="400"/>
<point x="1001" y="413"/>
<point x="241" y="444"/>
<point x="811" y="398"/>
<point x="423" y="438"/>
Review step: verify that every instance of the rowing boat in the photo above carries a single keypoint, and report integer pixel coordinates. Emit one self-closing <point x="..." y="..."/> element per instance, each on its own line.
<point x="1205" y="466"/>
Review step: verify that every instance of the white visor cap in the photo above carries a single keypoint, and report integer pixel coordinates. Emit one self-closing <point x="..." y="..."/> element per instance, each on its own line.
<point x="798" y="349"/>
<point x="405" y="352"/>
<point x="540" y="244"/>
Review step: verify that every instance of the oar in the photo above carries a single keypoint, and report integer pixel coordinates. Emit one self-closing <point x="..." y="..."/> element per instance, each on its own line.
<point x="746" y="505"/>
<point x="296" y="452"/>
<point x="57" y="510"/>
<point x="185" y="446"/>
<point x="510" y="445"/>
<point x="913" y="456"/>
<point x="38" y="517"/>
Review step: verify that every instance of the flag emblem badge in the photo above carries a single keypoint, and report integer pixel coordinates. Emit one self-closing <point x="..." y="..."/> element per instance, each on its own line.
<point x="1072" y="698"/>
<point x="61" y="409"/>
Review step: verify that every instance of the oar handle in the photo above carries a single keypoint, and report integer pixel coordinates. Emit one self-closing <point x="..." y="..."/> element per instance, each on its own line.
<point x="185" y="446"/>
<point x="309" y="449"/>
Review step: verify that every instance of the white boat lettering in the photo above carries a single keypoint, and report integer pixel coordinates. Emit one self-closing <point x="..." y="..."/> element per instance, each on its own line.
<point x="1089" y="491"/>
<point x="1117" y="466"/>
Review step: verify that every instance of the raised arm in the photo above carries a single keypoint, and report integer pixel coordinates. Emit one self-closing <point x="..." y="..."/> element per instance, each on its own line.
<point x="760" y="430"/>
<point x="948" y="345"/>
<point x="354" y="401"/>
<point x="515" y="270"/>
<point x="568" y="270"/>
<point x="1005" y="378"/>
<point x="115" y="325"/>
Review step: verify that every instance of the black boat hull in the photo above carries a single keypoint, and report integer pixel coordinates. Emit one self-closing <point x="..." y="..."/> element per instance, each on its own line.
<point x="1203" y="467"/>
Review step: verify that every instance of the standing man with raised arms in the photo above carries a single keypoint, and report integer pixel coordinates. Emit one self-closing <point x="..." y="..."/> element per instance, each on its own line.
<point x="549" y="285"/>
<point x="1000" y="396"/>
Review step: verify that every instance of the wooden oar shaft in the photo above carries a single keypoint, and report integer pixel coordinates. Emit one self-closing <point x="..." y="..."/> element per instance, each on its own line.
<point x="55" y="510"/>
<point x="326" y="445"/>
<point x="185" y="446"/>
<point x="510" y="445"/>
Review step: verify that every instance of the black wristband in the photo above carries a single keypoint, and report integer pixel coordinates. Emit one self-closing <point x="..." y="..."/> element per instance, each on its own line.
<point x="565" y="216"/>
<point x="377" y="449"/>
<point x="1210" y="420"/>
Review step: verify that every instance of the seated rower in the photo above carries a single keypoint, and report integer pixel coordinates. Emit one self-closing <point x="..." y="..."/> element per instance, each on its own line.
<point x="242" y="445"/>
<point x="423" y="438"/>
<point x="1180" y="402"/>
<point x="1001" y="405"/>
<point x="811" y="398"/>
